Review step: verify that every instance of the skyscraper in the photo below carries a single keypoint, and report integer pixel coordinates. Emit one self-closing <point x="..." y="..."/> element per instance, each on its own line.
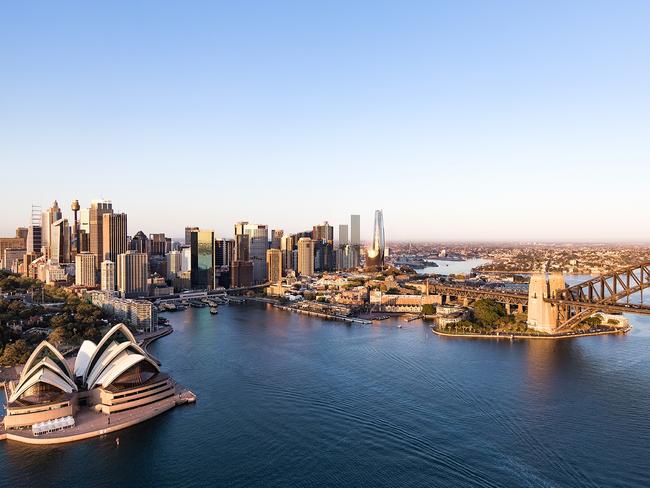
<point x="324" y="232"/>
<point x="132" y="274"/>
<point x="188" y="234"/>
<point x="355" y="230"/>
<point x="85" y="270"/>
<point x="139" y="243"/>
<point x="34" y="239"/>
<point x="343" y="235"/>
<point x="203" y="263"/>
<point x="174" y="261"/>
<point x="242" y="242"/>
<point x="241" y="274"/>
<point x="60" y="241"/>
<point x="305" y="256"/>
<point x="274" y="265"/>
<point x="50" y="216"/>
<point x="107" y="274"/>
<point x="375" y="254"/>
<point x="159" y="245"/>
<point x="186" y="258"/>
<point x="258" y="244"/>
<point x="276" y="237"/>
<point x="286" y="246"/>
<point x="95" y="223"/>
<point x="114" y="232"/>
<point x="224" y="249"/>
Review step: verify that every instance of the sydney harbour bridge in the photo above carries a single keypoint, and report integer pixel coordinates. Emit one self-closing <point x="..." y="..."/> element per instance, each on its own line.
<point x="554" y="307"/>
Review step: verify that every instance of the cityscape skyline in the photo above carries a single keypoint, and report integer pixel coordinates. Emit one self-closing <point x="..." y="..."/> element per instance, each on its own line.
<point x="223" y="229"/>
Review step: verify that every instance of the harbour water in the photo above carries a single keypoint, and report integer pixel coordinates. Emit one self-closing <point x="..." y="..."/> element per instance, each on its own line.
<point x="290" y="400"/>
<point x="453" y="267"/>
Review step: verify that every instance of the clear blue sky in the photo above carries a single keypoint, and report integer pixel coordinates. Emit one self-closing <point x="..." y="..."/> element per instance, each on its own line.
<point x="461" y="119"/>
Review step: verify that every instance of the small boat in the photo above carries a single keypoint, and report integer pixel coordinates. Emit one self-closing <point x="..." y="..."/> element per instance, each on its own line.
<point x="214" y="310"/>
<point x="117" y="441"/>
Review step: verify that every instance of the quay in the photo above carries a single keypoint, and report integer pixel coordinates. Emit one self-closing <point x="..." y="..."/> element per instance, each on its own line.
<point x="350" y="320"/>
<point x="511" y="336"/>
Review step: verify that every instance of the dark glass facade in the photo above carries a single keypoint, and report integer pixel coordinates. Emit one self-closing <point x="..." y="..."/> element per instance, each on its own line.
<point x="202" y="260"/>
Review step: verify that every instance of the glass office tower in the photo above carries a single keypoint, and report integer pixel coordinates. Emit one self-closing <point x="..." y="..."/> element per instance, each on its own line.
<point x="202" y="271"/>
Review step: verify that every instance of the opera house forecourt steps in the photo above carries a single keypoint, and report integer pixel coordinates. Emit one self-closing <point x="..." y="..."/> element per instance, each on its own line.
<point x="109" y="386"/>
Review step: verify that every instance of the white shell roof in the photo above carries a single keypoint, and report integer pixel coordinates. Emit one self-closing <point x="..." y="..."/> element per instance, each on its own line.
<point x="83" y="357"/>
<point x="45" y="375"/>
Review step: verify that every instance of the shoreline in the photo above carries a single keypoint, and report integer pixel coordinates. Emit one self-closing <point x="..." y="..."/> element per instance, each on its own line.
<point x="510" y="336"/>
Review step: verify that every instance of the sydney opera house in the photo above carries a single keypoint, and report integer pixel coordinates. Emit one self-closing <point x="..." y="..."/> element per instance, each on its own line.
<point x="96" y="392"/>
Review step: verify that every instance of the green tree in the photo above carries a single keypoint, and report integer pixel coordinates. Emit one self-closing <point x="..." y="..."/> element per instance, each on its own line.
<point x="60" y="336"/>
<point x="15" y="353"/>
<point x="489" y="312"/>
<point x="428" y="309"/>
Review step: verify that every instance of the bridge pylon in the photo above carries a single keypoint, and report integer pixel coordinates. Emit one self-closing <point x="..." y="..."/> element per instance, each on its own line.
<point x="544" y="316"/>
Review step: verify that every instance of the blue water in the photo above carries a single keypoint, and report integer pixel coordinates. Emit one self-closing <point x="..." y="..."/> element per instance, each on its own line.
<point x="287" y="400"/>
<point x="453" y="267"/>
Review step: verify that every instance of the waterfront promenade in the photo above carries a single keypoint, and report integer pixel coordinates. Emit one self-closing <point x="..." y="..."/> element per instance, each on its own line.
<point x="510" y="336"/>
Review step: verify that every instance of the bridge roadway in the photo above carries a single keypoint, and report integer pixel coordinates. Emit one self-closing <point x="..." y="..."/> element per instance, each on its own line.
<point x="509" y="298"/>
<point x="522" y="299"/>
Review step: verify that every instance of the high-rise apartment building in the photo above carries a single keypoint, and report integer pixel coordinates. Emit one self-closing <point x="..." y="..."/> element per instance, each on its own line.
<point x="305" y="256"/>
<point x="132" y="274"/>
<point x="85" y="269"/>
<point x="107" y="274"/>
<point x="274" y="265"/>
<point x="202" y="259"/>
<point x="114" y="235"/>
<point x="95" y="224"/>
